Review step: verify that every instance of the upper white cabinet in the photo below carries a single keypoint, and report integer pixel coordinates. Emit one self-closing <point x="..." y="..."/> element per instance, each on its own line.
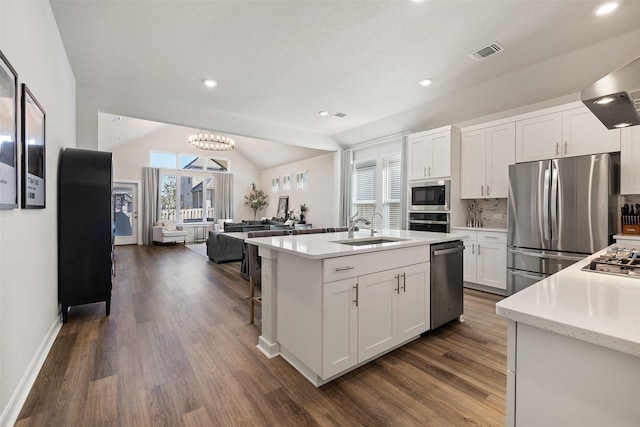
<point x="629" y="161"/>
<point x="430" y="153"/>
<point x="485" y="158"/>
<point x="564" y="133"/>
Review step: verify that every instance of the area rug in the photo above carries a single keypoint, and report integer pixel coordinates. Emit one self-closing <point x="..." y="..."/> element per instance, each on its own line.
<point x="200" y="248"/>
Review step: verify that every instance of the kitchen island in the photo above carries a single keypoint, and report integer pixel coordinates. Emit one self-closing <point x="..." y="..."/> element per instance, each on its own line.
<point x="573" y="350"/>
<point x="331" y="304"/>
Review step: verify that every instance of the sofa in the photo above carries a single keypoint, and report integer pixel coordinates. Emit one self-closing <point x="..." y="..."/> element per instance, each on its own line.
<point x="168" y="232"/>
<point x="256" y="225"/>
<point x="222" y="248"/>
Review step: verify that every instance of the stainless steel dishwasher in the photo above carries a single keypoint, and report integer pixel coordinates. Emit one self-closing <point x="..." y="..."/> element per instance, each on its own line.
<point x="446" y="282"/>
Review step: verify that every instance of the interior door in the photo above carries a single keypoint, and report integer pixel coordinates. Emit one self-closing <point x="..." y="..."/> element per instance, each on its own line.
<point x="125" y="213"/>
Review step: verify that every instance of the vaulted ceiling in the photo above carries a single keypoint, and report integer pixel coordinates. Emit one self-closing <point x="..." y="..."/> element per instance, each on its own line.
<point x="278" y="63"/>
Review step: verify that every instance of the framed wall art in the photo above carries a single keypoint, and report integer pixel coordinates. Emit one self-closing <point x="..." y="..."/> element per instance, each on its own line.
<point x="8" y="135"/>
<point x="283" y="207"/>
<point x="33" y="151"/>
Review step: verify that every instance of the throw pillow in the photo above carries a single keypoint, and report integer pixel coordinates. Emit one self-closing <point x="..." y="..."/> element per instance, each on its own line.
<point x="159" y="223"/>
<point x="170" y="225"/>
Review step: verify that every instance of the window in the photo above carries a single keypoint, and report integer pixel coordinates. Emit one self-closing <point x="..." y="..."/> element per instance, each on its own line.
<point x="301" y="180"/>
<point x="186" y="197"/>
<point x="158" y="159"/>
<point x="286" y="182"/>
<point x="392" y="188"/>
<point x="275" y="185"/>
<point x="364" y="188"/>
<point x="163" y="160"/>
<point x="377" y="188"/>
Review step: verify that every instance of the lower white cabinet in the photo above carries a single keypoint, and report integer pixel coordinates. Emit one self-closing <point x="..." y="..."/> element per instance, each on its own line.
<point x="365" y="316"/>
<point x="485" y="258"/>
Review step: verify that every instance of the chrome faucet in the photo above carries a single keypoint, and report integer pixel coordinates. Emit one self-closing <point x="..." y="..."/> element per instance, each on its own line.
<point x="353" y="221"/>
<point x="373" y="223"/>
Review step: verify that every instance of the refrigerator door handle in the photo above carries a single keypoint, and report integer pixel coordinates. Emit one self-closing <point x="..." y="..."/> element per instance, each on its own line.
<point x="527" y="275"/>
<point x="545" y="205"/>
<point x="554" y="202"/>
<point x="547" y="256"/>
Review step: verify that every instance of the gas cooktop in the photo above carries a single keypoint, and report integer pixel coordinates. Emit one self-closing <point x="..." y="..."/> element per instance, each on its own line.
<point x="618" y="261"/>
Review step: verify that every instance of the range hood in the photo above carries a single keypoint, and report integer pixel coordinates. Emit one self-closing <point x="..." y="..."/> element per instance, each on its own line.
<point x="615" y="98"/>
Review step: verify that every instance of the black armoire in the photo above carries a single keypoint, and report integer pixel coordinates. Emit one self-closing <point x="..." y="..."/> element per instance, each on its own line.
<point x="85" y="229"/>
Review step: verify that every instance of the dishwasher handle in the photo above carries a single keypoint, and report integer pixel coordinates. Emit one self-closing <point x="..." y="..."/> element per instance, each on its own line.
<point x="448" y="251"/>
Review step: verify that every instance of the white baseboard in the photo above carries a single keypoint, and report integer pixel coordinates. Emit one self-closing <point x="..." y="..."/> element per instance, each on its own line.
<point x="12" y="410"/>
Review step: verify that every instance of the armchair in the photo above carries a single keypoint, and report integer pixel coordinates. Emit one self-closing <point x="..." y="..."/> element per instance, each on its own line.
<point x="168" y="232"/>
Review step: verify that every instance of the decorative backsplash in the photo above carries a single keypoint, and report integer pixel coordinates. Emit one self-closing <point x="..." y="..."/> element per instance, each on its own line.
<point x="631" y="199"/>
<point x="494" y="212"/>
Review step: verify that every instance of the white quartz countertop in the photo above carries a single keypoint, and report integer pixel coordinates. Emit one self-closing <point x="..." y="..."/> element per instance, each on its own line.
<point x="462" y="227"/>
<point x="598" y="308"/>
<point x="325" y="245"/>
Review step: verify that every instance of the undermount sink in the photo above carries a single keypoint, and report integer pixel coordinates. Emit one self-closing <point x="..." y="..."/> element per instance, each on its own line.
<point x="368" y="241"/>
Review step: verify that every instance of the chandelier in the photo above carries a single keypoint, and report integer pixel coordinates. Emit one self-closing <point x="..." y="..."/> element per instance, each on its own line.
<point x="212" y="141"/>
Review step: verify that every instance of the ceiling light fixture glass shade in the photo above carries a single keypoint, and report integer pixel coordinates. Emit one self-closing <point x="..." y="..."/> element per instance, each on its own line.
<point x="212" y="141"/>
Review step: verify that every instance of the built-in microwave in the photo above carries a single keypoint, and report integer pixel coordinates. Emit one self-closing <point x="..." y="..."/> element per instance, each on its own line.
<point x="430" y="195"/>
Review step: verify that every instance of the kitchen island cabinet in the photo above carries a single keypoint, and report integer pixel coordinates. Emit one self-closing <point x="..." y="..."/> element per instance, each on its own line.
<point x="329" y="307"/>
<point x="573" y="348"/>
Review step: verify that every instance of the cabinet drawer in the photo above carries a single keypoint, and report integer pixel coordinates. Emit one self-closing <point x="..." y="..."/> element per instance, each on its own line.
<point x="492" y="237"/>
<point x="471" y="234"/>
<point x="356" y="265"/>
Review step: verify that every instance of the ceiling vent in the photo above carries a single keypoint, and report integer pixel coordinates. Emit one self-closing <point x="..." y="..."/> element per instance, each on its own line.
<point x="486" y="51"/>
<point x="339" y="115"/>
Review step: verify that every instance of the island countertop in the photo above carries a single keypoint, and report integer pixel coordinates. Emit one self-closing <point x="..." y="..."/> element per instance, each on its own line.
<point x="597" y="308"/>
<point x="327" y="245"/>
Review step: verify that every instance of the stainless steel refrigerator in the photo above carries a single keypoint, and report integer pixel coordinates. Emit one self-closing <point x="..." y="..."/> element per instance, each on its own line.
<point x="559" y="211"/>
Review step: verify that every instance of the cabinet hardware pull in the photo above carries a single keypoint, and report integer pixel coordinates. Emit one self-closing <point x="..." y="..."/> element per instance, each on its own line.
<point x="429" y="170"/>
<point x="482" y="190"/>
<point x="397" y="277"/>
<point x="344" y="268"/>
<point x="487" y="190"/>
<point x="490" y="237"/>
<point x="565" y="147"/>
<point x="473" y="248"/>
<point x="404" y="282"/>
<point x="478" y="248"/>
<point x="425" y="171"/>
<point x="557" y="148"/>
<point x="356" y="288"/>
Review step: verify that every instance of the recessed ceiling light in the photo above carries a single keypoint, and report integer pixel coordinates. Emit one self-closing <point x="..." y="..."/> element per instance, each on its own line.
<point x="324" y="113"/>
<point x="606" y="8"/>
<point x="210" y="83"/>
<point x="425" y="82"/>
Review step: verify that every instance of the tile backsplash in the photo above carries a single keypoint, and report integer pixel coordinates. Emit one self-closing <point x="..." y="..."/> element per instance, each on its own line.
<point x="494" y="212"/>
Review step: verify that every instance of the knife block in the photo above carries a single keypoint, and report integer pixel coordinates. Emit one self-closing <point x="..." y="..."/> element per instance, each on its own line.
<point x="630" y="229"/>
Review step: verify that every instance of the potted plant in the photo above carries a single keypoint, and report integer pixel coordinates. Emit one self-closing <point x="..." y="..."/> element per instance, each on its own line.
<point x="256" y="200"/>
<point x="303" y="209"/>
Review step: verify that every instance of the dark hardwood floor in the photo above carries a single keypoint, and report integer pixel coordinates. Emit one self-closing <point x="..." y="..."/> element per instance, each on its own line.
<point x="178" y="349"/>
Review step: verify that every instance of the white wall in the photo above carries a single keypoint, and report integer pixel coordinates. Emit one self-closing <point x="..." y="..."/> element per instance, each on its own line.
<point x="319" y="196"/>
<point x="29" y="310"/>
<point x="128" y="160"/>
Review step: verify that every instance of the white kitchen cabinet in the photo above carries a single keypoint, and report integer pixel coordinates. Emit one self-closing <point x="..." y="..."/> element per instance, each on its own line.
<point x="491" y="259"/>
<point x="485" y="258"/>
<point x="564" y="133"/>
<point x="630" y="160"/>
<point x="485" y="158"/>
<point x="393" y="306"/>
<point x="366" y="315"/>
<point x="340" y="327"/>
<point x="430" y="153"/>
